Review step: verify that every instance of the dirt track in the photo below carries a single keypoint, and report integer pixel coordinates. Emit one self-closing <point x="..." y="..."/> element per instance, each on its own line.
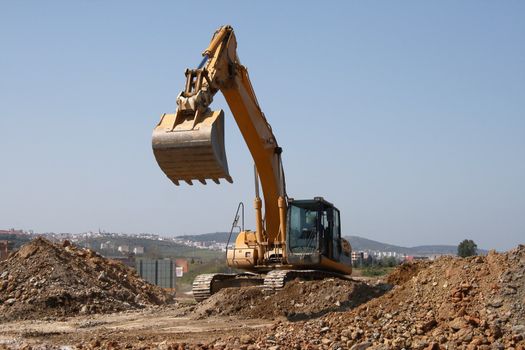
<point x="154" y="326"/>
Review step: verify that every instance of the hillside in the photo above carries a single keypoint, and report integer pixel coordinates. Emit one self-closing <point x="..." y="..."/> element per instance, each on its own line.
<point x="152" y="247"/>
<point x="438" y="249"/>
<point x="357" y="242"/>
<point x="360" y="243"/>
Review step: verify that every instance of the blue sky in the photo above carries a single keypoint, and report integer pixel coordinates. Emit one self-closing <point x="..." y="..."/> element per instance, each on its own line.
<point x="408" y="116"/>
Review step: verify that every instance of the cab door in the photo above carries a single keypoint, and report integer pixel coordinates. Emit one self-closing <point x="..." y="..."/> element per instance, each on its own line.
<point x="336" y="235"/>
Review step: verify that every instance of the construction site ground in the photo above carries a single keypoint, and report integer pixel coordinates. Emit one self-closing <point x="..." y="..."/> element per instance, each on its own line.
<point x="57" y="296"/>
<point x="226" y="315"/>
<point x="131" y="329"/>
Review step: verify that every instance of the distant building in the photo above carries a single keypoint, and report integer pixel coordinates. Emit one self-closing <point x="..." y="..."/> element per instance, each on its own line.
<point x="182" y="263"/>
<point x="357" y="257"/>
<point x="12" y="232"/>
<point x="107" y="245"/>
<point x="123" y="248"/>
<point x="4" y="250"/>
<point x="138" y="250"/>
<point x="416" y="258"/>
<point x="179" y="271"/>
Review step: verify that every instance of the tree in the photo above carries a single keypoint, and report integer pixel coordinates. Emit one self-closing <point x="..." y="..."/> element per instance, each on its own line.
<point x="467" y="248"/>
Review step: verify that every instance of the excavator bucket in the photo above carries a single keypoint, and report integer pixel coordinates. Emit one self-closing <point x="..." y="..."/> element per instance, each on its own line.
<point x="191" y="149"/>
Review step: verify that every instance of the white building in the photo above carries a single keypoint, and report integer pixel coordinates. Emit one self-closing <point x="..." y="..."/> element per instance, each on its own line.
<point x="123" y="248"/>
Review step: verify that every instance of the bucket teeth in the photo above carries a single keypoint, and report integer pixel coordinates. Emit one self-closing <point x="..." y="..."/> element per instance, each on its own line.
<point x="191" y="151"/>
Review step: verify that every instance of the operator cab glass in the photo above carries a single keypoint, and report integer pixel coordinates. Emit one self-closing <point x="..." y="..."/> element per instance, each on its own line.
<point x="303" y="228"/>
<point x="313" y="227"/>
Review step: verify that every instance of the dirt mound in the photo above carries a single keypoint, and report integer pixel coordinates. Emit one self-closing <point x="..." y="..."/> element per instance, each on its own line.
<point x="406" y="271"/>
<point x="44" y="279"/>
<point x="472" y="303"/>
<point x="297" y="300"/>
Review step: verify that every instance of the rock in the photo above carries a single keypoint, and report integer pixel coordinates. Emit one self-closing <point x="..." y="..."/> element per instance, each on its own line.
<point x="432" y="346"/>
<point x="496" y="331"/>
<point x="457" y="323"/>
<point x="496" y="303"/>
<point x="246" y="339"/>
<point x="518" y="329"/>
<point x="102" y="276"/>
<point x="427" y="325"/>
<point x="361" y="346"/>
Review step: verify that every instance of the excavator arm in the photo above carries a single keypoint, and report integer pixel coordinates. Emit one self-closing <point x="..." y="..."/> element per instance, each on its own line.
<point x="189" y="145"/>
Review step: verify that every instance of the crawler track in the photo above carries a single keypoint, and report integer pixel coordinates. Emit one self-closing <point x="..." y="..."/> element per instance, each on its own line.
<point x="276" y="279"/>
<point x="206" y="285"/>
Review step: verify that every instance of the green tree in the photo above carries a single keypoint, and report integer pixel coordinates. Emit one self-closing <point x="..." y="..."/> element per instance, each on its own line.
<point x="467" y="248"/>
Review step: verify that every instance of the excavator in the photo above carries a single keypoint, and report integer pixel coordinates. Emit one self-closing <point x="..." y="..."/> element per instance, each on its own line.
<point x="292" y="238"/>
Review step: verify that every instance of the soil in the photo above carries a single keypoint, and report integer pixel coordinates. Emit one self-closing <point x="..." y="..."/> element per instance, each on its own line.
<point x="451" y="303"/>
<point x="297" y="300"/>
<point x="46" y="280"/>
<point x="406" y="271"/>
<point x="155" y="327"/>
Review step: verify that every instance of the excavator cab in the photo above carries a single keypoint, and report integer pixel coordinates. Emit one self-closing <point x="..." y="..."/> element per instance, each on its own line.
<point x="314" y="234"/>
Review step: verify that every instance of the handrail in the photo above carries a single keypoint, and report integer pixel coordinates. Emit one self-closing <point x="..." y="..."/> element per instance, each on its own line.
<point x="235" y="225"/>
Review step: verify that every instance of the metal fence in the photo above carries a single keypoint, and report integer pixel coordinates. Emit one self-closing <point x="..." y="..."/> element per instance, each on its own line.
<point x="160" y="272"/>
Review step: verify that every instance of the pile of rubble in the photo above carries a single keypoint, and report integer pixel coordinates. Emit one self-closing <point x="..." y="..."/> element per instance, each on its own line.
<point x="297" y="300"/>
<point x="472" y="303"/>
<point x="44" y="279"/>
<point x="452" y="303"/>
<point x="406" y="271"/>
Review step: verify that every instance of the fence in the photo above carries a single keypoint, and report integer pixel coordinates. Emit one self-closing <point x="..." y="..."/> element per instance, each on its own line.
<point x="160" y="272"/>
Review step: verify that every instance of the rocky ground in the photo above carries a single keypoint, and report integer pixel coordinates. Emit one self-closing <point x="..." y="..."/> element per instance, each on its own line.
<point x="452" y="303"/>
<point x="46" y="280"/>
<point x="298" y="300"/>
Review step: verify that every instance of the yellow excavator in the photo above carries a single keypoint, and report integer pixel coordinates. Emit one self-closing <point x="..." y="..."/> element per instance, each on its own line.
<point x="292" y="238"/>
